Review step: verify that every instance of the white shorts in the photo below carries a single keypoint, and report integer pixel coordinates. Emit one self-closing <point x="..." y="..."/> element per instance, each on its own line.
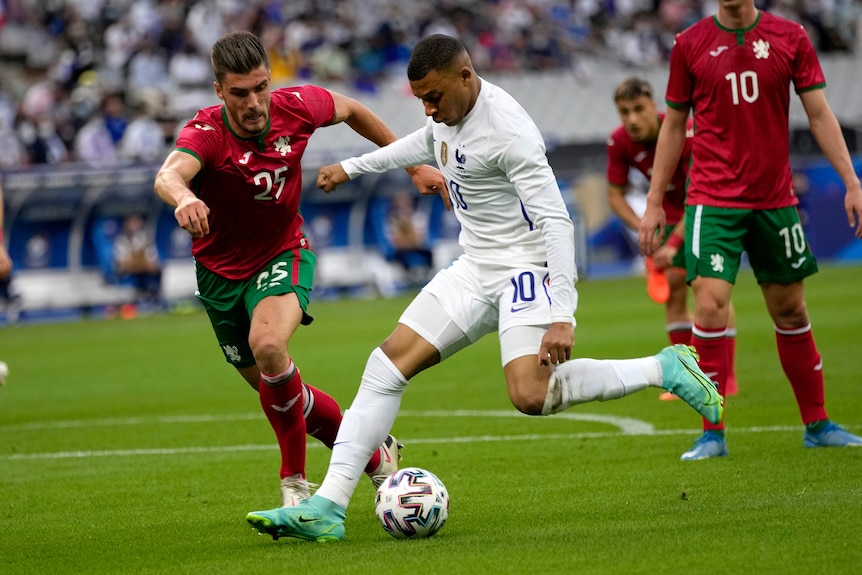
<point x="468" y="299"/>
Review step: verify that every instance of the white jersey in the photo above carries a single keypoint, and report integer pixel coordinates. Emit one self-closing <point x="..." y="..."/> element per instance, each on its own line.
<point x="503" y="191"/>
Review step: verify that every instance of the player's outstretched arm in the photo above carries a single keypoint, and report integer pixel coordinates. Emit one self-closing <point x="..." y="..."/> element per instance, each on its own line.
<point x="427" y="179"/>
<point x="171" y="186"/>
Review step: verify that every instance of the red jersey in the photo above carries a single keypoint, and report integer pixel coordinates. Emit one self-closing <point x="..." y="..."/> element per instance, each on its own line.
<point x="252" y="185"/>
<point x="738" y="84"/>
<point x="625" y="153"/>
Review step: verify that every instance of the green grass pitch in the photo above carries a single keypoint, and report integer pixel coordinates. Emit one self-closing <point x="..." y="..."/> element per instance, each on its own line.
<point x="132" y="447"/>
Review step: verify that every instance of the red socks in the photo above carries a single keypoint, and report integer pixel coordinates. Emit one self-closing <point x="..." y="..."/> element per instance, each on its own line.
<point x="803" y="367"/>
<point x="679" y="333"/>
<point x="283" y="407"/>
<point x="293" y="409"/>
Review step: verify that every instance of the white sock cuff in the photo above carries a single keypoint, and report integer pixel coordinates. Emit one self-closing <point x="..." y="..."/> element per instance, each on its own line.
<point x="678" y="326"/>
<point x="382" y="360"/>
<point x="703" y="334"/>
<point x="278" y="377"/>
<point x="795" y="331"/>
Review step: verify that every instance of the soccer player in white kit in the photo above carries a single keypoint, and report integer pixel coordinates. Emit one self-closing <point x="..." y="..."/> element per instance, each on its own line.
<point x="516" y="276"/>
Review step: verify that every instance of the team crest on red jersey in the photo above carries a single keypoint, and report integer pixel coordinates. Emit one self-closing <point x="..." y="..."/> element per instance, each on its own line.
<point x="761" y="49"/>
<point x="282" y="145"/>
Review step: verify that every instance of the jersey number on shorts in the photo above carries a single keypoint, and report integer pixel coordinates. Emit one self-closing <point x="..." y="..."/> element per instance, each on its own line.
<point x="271" y="278"/>
<point x="794" y="239"/>
<point x="524" y="290"/>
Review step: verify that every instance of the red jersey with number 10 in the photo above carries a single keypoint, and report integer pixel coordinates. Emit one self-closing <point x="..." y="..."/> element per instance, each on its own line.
<point x="738" y="84"/>
<point x="252" y="185"/>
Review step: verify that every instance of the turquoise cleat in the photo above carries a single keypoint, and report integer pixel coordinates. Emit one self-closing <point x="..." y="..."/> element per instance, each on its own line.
<point x="683" y="377"/>
<point x="315" y="519"/>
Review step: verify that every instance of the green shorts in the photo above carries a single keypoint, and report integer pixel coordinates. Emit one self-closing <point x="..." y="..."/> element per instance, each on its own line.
<point x="229" y="303"/>
<point x="774" y="240"/>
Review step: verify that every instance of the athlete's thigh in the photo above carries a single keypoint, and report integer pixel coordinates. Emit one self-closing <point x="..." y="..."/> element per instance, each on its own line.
<point x="518" y="342"/>
<point x="291" y="272"/>
<point x="778" y="249"/>
<point x="275" y="319"/>
<point x="230" y="304"/>
<point x="451" y="312"/>
<point x="714" y="241"/>
<point x="224" y="302"/>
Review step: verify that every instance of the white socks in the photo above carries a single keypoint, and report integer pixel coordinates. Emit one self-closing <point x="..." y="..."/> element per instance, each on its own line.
<point x="583" y="380"/>
<point x="364" y="427"/>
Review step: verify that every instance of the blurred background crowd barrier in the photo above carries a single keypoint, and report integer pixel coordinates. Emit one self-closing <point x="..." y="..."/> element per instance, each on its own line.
<point x="93" y="92"/>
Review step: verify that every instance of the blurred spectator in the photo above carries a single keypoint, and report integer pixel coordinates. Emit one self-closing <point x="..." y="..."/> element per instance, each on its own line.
<point x="131" y="45"/>
<point x="136" y="260"/>
<point x="144" y="138"/>
<point x="189" y="69"/>
<point x="148" y="67"/>
<point x="114" y="108"/>
<point x="9" y="300"/>
<point x="282" y="62"/>
<point x="406" y="230"/>
<point x="94" y="143"/>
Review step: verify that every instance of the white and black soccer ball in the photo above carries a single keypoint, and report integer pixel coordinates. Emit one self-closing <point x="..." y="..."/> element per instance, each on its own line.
<point x="412" y="503"/>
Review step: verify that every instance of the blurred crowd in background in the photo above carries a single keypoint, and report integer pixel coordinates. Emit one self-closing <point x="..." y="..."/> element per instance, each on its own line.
<point x="107" y="82"/>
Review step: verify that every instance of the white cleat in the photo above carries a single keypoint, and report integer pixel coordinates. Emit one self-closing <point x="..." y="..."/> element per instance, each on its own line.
<point x="390" y="455"/>
<point x="294" y="490"/>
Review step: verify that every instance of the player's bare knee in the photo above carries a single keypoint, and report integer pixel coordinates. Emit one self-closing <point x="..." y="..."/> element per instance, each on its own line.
<point x="269" y="354"/>
<point x="528" y="399"/>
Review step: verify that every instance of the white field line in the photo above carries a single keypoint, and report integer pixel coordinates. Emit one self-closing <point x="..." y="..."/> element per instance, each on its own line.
<point x="624" y="426"/>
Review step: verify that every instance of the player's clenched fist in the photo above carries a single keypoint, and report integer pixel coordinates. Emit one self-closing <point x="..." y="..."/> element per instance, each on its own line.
<point x="329" y="177"/>
<point x="192" y="215"/>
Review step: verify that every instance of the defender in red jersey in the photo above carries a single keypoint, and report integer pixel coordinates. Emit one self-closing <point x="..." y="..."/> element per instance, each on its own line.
<point x="632" y="146"/>
<point x="735" y="70"/>
<point x="235" y="180"/>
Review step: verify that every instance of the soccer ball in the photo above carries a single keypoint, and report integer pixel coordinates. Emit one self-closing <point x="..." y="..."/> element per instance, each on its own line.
<point x="412" y="503"/>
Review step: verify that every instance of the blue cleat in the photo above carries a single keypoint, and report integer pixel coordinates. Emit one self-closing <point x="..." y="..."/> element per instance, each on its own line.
<point x="833" y="435"/>
<point x="315" y="519"/>
<point x="683" y="377"/>
<point x="706" y="446"/>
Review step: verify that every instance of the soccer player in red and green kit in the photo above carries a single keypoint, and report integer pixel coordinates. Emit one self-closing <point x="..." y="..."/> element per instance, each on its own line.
<point x="235" y="181"/>
<point x="632" y="146"/>
<point x="735" y="71"/>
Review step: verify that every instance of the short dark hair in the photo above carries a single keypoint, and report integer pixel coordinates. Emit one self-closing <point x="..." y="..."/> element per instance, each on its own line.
<point x="437" y="52"/>
<point x="237" y="53"/>
<point x="633" y="88"/>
